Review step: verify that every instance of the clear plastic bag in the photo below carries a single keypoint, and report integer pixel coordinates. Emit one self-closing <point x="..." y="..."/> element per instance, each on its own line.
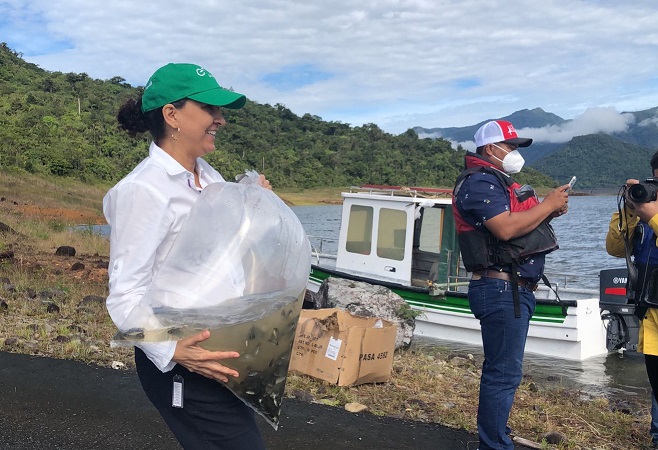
<point x="239" y="268"/>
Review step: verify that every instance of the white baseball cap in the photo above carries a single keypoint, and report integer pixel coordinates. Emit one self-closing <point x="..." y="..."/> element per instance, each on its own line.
<point x="499" y="131"/>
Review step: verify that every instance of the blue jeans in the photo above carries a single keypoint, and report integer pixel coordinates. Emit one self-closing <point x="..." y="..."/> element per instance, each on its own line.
<point x="503" y="340"/>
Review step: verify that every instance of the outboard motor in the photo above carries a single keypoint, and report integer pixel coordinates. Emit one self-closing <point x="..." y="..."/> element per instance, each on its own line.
<point x="618" y="311"/>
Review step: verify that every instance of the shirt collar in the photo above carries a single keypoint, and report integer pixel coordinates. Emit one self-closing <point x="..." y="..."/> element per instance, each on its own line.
<point x="164" y="159"/>
<point x="474" y="160"/>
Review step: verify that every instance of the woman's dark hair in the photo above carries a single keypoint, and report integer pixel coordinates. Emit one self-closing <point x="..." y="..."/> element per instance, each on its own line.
<point x="133" y="120"/>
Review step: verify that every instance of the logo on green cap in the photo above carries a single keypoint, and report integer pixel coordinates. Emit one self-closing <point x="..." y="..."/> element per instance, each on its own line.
<point x="177" y="81"/>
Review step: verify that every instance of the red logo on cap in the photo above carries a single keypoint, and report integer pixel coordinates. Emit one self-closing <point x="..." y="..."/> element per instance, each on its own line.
<point x="508" y="130"/>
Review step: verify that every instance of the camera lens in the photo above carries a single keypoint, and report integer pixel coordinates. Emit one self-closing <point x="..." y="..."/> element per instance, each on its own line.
<point x="643" y="192"/>
<point x="637" y="193"/>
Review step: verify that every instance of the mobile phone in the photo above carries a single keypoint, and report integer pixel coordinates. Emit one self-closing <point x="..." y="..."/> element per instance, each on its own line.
<point x="571" y="183"/>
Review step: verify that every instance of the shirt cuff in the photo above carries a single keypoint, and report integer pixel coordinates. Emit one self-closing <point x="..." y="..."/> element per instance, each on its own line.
<point x="160" y="354"/>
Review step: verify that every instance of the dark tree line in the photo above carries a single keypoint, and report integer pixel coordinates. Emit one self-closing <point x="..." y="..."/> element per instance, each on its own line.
<point x="64" y="124"/>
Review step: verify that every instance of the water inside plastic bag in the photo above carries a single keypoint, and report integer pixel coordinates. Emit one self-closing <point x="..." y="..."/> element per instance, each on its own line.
<point x="239" y="268"/>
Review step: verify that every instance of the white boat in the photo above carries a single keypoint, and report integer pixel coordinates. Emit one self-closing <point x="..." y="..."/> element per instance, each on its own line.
<point x="405" y="239"/>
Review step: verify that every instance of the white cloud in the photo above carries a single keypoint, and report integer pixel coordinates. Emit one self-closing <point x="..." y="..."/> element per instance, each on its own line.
<point x="468" y="145"/>
<point x="593" y="120"/>
<point x="396" y="63"/>
<point x="652" y="121"/>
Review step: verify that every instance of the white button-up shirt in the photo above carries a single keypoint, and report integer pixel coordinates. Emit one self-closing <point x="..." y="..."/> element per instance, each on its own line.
<point x="145" y="211"/>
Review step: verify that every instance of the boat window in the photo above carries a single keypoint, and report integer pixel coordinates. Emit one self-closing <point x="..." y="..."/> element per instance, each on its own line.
<point x="391" y="234"/>
<point x="359" y="230"/>
<point x="430" y="233"/>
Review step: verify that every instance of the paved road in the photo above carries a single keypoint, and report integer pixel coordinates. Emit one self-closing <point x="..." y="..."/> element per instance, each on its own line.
<point x="56" y="404"/>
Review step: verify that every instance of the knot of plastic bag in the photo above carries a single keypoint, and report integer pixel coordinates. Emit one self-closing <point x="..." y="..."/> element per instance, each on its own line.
<point x="248" y="177"/>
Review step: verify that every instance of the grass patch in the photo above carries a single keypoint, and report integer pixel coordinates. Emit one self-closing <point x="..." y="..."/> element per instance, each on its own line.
<point x="427" y="385"/>
<point x="31" y="189"/>
<point x="440" y="388"/>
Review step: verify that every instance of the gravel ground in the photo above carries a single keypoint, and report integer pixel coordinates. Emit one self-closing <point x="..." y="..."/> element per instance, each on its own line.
<point x="60" y="404"/>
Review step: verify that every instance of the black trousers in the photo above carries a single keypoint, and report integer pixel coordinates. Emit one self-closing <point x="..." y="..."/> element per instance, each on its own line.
<point x="212" y="417"/>
<point x="651" y="363"/>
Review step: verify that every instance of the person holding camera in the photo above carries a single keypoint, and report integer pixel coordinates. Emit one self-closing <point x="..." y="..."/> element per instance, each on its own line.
<point x="634" y="229"/>
<point x="504" y="235"/>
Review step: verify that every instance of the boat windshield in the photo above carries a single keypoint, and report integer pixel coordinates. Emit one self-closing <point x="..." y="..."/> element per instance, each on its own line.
<point x="391" y="234"/>
<point x="359" y="230"/>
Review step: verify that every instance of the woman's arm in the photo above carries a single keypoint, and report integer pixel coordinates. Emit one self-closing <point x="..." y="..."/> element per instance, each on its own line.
<point x="140" y="221"/>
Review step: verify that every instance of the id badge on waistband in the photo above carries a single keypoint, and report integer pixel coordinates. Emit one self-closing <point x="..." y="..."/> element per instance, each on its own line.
<point x="177" y="393"/>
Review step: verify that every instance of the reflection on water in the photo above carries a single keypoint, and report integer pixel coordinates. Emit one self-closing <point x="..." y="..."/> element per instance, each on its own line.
<point x="103" y="230"/>
<point x="581" y="236"/>
<point x="613" y="376"/>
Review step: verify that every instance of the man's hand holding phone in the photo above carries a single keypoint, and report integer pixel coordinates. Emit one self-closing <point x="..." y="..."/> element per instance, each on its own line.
<point x="571" y="183"/>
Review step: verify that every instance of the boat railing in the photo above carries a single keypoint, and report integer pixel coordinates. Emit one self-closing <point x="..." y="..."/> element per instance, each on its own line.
<point x="318" y="244"/>
<point x="321" y="241"/>
<point x="453" y="283"/>
<point x="572" y="282"/>
<point x="403" y="191"/>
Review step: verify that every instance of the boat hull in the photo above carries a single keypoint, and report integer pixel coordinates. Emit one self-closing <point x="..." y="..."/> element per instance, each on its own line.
<point x="574" y="331"/>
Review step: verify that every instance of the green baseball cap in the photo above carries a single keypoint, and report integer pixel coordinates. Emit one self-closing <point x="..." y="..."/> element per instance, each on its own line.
<point x="178" y="81"/>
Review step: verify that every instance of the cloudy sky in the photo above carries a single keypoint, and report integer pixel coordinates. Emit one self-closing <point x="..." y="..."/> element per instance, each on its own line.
<point x="398" y="64"/>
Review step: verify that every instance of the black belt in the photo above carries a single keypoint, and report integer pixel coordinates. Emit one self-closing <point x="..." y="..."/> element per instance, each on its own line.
<point x="485" y="273"/>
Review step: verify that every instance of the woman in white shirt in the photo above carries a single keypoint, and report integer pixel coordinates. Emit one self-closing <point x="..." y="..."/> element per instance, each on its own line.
<point x="180" y="108"/>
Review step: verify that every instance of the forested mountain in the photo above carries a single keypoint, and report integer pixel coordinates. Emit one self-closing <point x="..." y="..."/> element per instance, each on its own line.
<point x="63" y="124"/>
<point x="600" y="161"/>
<point x="526" y="118"/>
<point x="643" y="131"/>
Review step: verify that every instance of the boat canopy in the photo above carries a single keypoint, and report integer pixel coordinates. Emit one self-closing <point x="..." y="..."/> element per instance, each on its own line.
<point x="404" y="236"/>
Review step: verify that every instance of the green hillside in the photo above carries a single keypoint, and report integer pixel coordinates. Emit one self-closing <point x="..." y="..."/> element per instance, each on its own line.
<point x="63" y="124"/>
<point x="644" y="131"/>
<point x="622" y="152"/>
<point x="599" y="161"/>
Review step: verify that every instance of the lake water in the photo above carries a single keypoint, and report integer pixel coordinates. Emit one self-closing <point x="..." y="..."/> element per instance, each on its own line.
<point x="581" y="235"/>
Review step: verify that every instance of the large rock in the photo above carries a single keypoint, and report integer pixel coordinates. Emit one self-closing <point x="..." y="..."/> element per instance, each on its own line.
<point x="4" y="228"/>
<point x="366" y="300"/>
<point x="65" y="250"/>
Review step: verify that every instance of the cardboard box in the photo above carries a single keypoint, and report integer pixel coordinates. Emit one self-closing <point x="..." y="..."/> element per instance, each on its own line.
<point x="333" y="345"/>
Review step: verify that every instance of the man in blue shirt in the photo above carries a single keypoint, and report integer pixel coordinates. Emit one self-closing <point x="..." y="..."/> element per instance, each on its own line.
<point x="504" y="235"/>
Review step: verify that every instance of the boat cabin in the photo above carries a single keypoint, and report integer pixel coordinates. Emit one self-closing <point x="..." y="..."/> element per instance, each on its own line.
<point x="398" y="235"/>
<point x="405" y="239"/>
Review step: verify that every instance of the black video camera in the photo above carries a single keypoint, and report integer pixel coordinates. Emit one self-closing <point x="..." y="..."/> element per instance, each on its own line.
<point x="643" y="192"/>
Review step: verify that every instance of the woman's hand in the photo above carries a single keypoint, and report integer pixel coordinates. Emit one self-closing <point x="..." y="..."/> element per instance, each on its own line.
<point x="264" y="182"/>
<point x="194" y="358"/>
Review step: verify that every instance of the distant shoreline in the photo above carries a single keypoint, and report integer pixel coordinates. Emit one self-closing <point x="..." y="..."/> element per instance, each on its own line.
<point x="332" y="196"/>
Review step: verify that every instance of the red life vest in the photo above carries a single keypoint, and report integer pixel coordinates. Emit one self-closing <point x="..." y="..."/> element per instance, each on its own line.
<point x="480" y="249"/>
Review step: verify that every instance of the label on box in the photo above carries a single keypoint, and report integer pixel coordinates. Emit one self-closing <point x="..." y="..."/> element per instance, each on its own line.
<point x="333" y="348"/>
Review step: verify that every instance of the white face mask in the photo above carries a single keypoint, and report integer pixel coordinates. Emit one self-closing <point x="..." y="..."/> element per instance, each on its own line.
<point x="512" y="162"/>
